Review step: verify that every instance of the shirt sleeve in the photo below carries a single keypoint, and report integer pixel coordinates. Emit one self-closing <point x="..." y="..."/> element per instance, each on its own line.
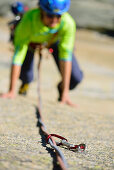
<point x="21" y="40"/>
<point x="19" y="54"/>
<point x="67" y="39"/>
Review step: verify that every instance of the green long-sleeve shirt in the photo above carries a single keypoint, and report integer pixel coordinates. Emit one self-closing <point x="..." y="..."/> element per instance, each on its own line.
<point x="32" y="29"/>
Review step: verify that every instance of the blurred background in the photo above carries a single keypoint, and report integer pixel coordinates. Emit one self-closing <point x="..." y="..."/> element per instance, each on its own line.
<point x="91" y="123"/>
<point x="91" y="14"/>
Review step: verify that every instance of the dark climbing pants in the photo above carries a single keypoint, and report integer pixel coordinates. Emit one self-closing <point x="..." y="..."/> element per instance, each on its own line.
<point x="27" y="68"/>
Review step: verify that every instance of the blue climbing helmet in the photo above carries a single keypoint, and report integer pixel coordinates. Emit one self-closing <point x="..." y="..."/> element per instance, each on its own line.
<point x="56" y="7"/>
<point x="18" y="7"/>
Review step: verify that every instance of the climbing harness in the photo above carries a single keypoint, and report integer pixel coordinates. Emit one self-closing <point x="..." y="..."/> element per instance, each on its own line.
<point x="49" y="137"/>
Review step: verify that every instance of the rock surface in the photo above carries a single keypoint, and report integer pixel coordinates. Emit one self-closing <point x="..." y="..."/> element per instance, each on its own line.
<point x="93" y="14"/>
<point x="92" y="122"/>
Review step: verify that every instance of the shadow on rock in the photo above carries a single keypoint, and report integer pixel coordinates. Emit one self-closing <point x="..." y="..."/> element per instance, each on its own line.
<point x="44" y="144"/>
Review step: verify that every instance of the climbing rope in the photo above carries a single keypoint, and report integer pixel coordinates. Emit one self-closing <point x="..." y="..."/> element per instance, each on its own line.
<point x="49" y="137"/>
<point x="51" y="141"/>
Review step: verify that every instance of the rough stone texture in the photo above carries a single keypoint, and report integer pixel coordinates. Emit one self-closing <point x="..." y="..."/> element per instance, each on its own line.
<point x="94" y="14"/>
<point x="92" y="122"/>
